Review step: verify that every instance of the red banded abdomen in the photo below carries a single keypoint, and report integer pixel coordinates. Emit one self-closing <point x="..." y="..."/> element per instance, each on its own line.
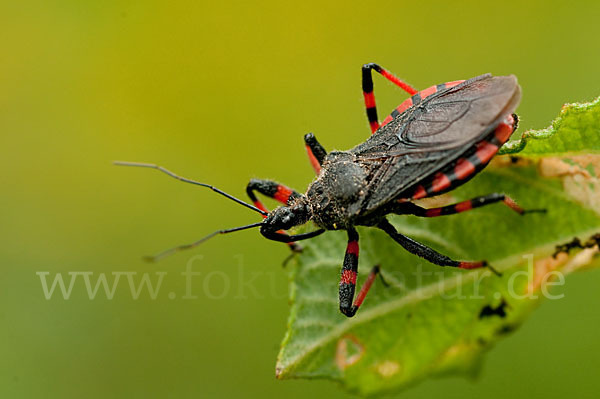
<point x="464" y="168"/>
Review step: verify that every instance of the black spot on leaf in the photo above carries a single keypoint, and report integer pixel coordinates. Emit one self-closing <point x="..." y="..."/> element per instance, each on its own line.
<point x="488" y="310"/>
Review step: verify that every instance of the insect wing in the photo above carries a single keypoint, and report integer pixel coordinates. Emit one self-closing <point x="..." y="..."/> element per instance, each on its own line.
<point x="432" y="134"/>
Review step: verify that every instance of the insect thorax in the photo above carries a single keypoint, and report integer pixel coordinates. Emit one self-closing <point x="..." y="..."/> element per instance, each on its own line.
<point x="335" y="196"/>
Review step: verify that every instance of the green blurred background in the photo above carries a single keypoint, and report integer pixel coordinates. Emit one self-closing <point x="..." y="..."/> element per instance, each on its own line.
<point x="223" y="92"/>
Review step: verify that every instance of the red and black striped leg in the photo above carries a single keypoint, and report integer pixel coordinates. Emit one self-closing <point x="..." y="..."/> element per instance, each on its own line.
<point x="349" y="273"/>
<point x="367" y="86"/>
<point x="408" y="208"/>
<point x="427" y="253"/>
<point x="273" y="190"/>
<point x="348" y="278"/>
<point x="316" y="152"/>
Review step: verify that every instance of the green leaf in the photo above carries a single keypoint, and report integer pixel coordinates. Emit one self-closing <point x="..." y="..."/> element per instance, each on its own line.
<point x="576" y="129"/>
<point x="433" y="320"/>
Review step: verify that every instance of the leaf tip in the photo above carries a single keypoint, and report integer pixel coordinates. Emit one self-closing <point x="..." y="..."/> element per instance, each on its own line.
<point x="278" y="372"/>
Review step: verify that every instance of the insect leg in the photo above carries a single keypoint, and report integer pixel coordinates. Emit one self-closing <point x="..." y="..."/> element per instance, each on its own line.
<point x="408" y="208"/>
<point x="348" y="278"/>
<point x="427" y="253"/>
<point x="316" y="152"/>
<point x="349" y="272"/>
<point x="282" y="237"/>
<point x="273" y="190"/>
<point x="367" y="86"/>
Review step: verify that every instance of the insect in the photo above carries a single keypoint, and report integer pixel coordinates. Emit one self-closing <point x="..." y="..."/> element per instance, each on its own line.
<point x="434" y="141"/>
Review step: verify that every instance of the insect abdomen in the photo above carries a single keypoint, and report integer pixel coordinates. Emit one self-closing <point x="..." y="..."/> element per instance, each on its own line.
<point x="464" y="168"/>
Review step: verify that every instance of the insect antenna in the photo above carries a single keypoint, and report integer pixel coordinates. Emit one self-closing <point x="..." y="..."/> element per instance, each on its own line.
<point x="186" y="180"/>
<point x="173" y="250"/>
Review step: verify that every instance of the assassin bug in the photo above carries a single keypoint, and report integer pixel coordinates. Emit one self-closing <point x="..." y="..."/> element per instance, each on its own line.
<point x="434" y="141"/>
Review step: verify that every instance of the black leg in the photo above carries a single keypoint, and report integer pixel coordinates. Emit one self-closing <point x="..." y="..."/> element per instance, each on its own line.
<point x="408" y="208"/>
<point x="316" y="152"/>
<point x="282" y="237"/>
<point x="367" y="86"/>
<point x="427" y="253"/>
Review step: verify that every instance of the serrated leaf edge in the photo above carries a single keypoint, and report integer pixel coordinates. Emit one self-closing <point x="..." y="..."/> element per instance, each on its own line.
<point x="423" y="293"/>
<point x="517" y="146"/>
